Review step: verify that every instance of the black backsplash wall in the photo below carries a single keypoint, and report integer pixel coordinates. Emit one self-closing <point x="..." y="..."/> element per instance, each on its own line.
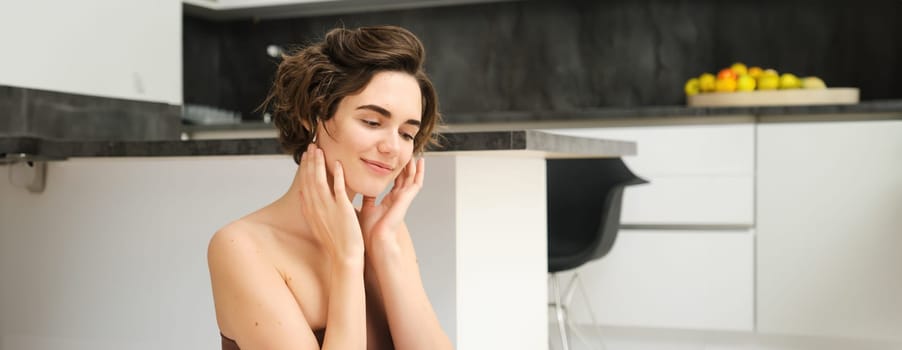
<point x="565" y="55"/>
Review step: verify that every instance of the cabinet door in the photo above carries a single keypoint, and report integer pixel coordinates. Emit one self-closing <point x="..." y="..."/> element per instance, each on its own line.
<point x="672" y="279"/>
<point x="830" y="229"/>
<point x="699" y="174"/>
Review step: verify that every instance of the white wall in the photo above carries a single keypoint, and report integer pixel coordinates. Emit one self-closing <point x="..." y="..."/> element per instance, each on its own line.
<point x="128" y="49"/>
<point x="113" y="254"/>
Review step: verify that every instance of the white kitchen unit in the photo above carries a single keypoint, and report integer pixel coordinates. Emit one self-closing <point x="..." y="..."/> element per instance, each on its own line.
<point x="830" y="229"/>
<point x="234" y="9"/>
<point x="781" y="228"/>
<point x="686" y="256"/>
<point x="128" y="49"/>
<point x="699" y="174"/>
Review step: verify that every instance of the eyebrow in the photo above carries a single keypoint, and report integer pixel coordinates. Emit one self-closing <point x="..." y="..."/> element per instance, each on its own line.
<point x="385" y="113"/>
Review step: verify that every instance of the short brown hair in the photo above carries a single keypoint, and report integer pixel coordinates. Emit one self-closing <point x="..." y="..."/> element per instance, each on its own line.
<point x="310" y="82"/>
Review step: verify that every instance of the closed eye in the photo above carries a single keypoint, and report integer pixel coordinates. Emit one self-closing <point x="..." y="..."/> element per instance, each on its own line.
<point x="407" y="136"/>
<point x="370" y="123"/>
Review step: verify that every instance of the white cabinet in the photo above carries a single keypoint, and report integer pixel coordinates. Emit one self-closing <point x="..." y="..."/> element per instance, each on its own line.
<point x="304" y="8"/>
<point x="699" y="174"/>
<point x="673" y="279"/>
<point x="113" y="49"/>
<point x="829" y="229"/>
<point x="780" y="228"/>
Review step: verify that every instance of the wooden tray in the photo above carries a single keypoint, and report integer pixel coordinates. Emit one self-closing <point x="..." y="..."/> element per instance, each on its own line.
<point x="829" y="96"/>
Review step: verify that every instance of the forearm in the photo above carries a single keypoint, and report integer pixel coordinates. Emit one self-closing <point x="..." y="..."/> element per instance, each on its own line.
<point x="378" y="333"/>
<point x="346" y="321"/>
<point x="410" y="315"/>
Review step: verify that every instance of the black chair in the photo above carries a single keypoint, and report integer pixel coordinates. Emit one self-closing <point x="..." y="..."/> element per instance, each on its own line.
<point x="584" y="198"/>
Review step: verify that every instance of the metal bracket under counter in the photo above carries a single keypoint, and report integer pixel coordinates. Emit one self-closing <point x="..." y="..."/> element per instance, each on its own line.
<point x="27" y="171"/>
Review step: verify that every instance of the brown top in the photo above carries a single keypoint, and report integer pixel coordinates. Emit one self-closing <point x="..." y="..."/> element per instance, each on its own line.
<point x="229" y="344"/>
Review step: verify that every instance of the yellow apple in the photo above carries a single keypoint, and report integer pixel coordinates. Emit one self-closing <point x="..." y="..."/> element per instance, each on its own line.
<point x="789" y="81"/>
<point x="739" y="68"/>
<point x="768" y="82"/>
<point x="745" y="83"/>
<point x="706" y="82"/>
<point x="691" y="87"/>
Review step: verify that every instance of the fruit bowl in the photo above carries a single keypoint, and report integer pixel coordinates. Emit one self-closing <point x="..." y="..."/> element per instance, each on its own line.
<point x="739" y="85"/>
<point x="828" y="96"/>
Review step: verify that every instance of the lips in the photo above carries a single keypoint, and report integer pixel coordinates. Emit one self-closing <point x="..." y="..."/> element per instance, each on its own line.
<point x="378" y="167"/>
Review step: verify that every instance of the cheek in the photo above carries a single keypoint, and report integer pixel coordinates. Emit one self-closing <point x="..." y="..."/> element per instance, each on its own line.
<point x="332" y="154"/>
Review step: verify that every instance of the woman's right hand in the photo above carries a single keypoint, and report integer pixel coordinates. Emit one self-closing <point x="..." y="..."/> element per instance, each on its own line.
<point x="329" y="212"/>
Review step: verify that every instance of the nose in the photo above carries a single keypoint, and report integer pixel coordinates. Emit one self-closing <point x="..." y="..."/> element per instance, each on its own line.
<point x="390" y="144"/>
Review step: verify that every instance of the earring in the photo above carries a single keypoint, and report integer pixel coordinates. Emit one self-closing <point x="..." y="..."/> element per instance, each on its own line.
<point x="314" y="133"/>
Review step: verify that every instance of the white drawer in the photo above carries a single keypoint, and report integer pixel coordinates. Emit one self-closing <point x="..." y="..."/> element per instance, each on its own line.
<point x="682" y="150"/>
<point x="672" y="279"/>
<point x="699" y="174"/>
<point x="691" y="200"/>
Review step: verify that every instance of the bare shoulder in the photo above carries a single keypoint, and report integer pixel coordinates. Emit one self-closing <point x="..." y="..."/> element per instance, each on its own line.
<point x="253" y="305"/>
<point x="237" y="242"/>
<point x="235" y="238"/>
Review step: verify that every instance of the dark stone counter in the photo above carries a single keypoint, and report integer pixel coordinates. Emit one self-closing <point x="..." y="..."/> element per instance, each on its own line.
<point x="870" y="110"/>
<point x="523" y="141"/>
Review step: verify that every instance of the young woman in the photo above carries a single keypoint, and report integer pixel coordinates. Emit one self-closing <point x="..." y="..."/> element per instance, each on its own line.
<point x="310" y="271"/>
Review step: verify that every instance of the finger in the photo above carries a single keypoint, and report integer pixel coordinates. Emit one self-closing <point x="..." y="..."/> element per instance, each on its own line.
<point x="399" y="181"/>
<point x="403" y="179"/>
<point x="421" y="171"/>
<point x="303" y="173"/>
<point x="319" y="192"/>
<point x="396" y="210"/>
<point x="411" y="172"/>
<point x="322" y="181"/>
<point x="368" y="202"/>
<point x="306" y="179"/>
<point x="402" y="199"/>
<point x="387" y="200"/>
<point x="339" y="181"/>
<point x="308" y="190"/>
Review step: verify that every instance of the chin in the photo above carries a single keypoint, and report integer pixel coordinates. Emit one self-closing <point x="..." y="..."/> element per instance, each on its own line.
<point x="369" y="187"/>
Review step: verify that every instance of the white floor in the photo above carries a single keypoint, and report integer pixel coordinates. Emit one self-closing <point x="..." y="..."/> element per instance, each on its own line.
<point x="617" y="338"/>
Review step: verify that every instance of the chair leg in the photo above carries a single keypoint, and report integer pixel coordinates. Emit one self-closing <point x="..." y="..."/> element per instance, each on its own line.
<point x="582" y="290"/>
<point x="559" y="311"/>
<point x="576" y="281"/>
<point x="568" y="297"/>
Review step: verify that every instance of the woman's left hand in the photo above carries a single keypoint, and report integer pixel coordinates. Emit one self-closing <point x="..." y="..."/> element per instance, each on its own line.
<point x="382" y="222"/>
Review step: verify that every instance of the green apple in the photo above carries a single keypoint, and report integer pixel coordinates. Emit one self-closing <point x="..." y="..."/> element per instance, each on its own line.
<point x="813" y="83"/>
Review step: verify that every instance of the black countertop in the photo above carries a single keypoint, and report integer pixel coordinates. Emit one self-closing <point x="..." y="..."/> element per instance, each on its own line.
<point x="55" y="141"/>
<point x="538" y="143"/>
<point x="870" y="110"/>
<point x="658" y="112"/>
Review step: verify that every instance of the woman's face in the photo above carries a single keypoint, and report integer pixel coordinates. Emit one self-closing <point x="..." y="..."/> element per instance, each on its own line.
<point x="372" y="132"/>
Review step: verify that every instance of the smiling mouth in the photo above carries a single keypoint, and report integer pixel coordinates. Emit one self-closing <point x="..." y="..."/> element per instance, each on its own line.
<point x="378" y="167"/>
